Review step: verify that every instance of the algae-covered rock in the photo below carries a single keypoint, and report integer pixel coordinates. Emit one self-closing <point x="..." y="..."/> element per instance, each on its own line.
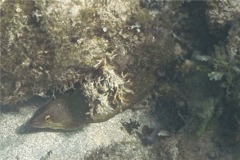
<point x="108" y="48"/>
<point x="25" y="54"/>
<point x="54" y="44"/>
<point x="202" y="101"/>
<point x="233" y="44"/>
<point x="222" y="12"/>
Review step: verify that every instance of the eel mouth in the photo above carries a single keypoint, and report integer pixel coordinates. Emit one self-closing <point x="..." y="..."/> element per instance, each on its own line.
<point x="49" y="125"/>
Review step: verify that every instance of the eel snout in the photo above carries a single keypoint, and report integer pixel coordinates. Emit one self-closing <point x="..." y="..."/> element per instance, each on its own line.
<point x="66" y="112"/>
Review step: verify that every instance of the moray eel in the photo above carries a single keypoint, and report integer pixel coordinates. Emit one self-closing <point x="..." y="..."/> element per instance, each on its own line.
<point x="65" y="112"/>
<point x="68" y="112"/>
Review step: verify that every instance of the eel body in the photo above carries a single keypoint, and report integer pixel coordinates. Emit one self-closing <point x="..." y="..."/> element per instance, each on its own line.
<point x="68" y="112"/>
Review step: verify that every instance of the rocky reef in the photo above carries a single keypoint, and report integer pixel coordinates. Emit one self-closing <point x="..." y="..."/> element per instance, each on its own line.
<point x="117" y="51"/>
<point x="107" y="48"/>
<point x="186" y="53"/>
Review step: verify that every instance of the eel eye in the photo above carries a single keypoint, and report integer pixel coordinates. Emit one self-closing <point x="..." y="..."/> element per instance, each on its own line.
<point x="47" y="118"/>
